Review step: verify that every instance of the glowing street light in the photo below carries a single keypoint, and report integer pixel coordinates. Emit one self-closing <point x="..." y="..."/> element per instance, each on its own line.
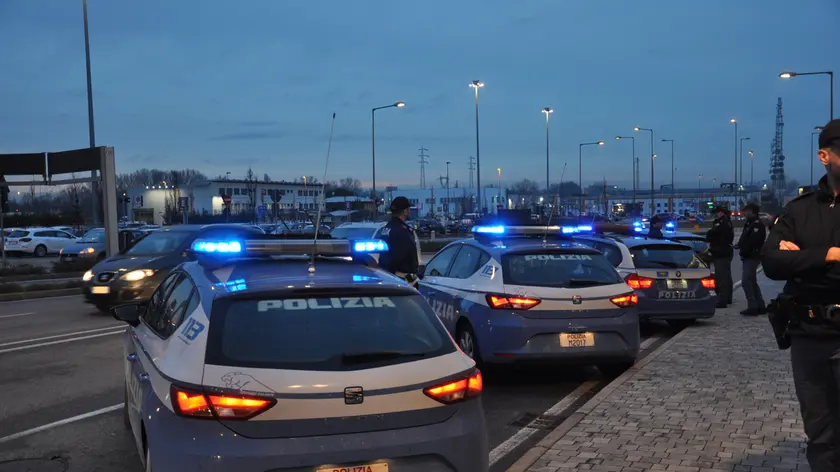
<point x="547" y="112"/>
<point x="830" y="74"/>
<point x="477" y="84"/>
<point x="373" y="149"/>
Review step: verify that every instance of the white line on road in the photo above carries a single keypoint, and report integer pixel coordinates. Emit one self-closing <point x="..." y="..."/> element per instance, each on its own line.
<point x="33" y="346"/>
<point x="16" y="315"/>
<point x="73" y="419"/>
<point x="25" y="341"/>
<point x="532" y="428"/>
<point x="41" y="300"/>
<point x="648" y="342"/>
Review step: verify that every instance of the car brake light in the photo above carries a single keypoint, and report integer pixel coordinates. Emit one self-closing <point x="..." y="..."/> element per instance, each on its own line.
<point x="708" y="282"/>
<point x="511" y="302"/>
<point x="232" y="407"/>
<point x="625" y="301"/>
<point x="637" y="282"/>
<point x="458" y="390"/>
<point x="25" y="240"/>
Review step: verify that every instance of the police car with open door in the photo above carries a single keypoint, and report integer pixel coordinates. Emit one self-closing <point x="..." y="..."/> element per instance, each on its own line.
<point x="294" y="355"/>
<point x="525" y="293"/>
<point x="673" y="284"/>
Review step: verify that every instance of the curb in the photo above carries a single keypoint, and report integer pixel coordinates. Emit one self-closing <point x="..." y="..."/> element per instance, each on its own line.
<point x="61" y="292"/>
<point x="45" y="277"/>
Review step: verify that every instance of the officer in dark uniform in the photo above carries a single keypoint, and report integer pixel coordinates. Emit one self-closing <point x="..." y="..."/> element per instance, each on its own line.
<point x="655" y="230"/>
<point x="804" y="249"/>
<point x="749" y="248"/>
<point x="720" y="238"/>
<point x="401" y="258"/>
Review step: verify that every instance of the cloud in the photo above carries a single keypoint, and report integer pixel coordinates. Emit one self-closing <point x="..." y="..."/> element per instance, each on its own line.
<point x="249" y="136"/>
<point x="257" y="123"/>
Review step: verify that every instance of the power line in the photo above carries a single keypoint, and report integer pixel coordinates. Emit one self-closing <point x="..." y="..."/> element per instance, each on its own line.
<point x="472" y="169"/>
<point x="423" y="161"/>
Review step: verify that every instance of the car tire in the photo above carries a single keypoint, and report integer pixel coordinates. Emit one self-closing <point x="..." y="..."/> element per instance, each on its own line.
<point x="678" y="325"/>
<point x="612" y="371"/>
<point x="40" y="251"/>
<point x="126" y="420"/>
<point x="465" y="338"/>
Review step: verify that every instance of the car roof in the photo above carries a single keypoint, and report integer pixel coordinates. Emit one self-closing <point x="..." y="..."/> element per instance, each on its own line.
<point x="362" y="225"/>
<point x="682" y="234"/>
<point x="198" y="228"/>
<point x="516" y="245"/>
<point x="630" y="241"/>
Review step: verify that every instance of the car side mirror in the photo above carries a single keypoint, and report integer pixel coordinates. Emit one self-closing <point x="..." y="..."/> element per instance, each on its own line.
<point x="129" y="313"/>
<point x="421" y="271"/>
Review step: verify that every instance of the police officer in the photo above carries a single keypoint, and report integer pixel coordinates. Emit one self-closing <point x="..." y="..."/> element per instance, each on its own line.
<point x="804" y="249"/>
<point x="401" y="258"/>
<point x="720" y="238"/>
<point x="749" y="247"/>
<point x="655" y="230"/>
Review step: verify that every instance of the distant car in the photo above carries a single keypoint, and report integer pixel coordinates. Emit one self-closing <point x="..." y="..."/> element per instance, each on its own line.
<point x="135" y="273"/>
<point x="38" y="241"/>
<point x="91" y="246"/>
<point x="696" y="241"/>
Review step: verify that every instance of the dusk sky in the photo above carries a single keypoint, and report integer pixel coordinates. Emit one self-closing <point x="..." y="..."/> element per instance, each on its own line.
<point x="221" y="85"/>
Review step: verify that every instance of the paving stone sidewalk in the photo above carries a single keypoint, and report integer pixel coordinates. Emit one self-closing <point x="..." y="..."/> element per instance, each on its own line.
<point x="719" y="398"/>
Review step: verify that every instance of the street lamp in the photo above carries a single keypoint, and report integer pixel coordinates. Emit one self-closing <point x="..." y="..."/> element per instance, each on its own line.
<point x="652" y="156"/>
<point x="547" y="111"/>
<point x="741" y="172"/>
<point x="580" y="171"/>
<point x="735" y="122"/>
<point x="91" y="131"/>
<point x="817" y="130"/>
<point x="477" y="84"/>
<point x="699" y="192"/>
<point x="499" y="198"/>
<point x="373" y="149"/>
<point x="830" y="74"/>
<point x="633" y="158"/>
<point x="752" y="163"/>
<point x="447" y="193"/>
<point x="673" y="169"/>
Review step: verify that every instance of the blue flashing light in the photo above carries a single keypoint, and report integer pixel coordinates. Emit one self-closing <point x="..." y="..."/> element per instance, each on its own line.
<point x="637" y="224"/>
<point x="576" y="229"/>
<point x="233" y="285"/>
<point x="370" y="246"/>
<point x="217" y="247"/>
<point x="365" y="278"/>
<point x="670" y="225"/>
<point x="585" y="228"/>
<point x="637" y="229"/>
<point x="489" y="229"/>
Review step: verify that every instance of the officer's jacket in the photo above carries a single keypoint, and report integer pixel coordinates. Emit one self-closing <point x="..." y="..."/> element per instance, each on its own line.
<point x="402" y="249"/>
<point x="655" y="233"/>
<point x="720" y="237"/>
<point x="752" y="239"/>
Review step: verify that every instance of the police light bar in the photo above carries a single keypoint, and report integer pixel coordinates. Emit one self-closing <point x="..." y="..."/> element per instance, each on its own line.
<point x="288" y="247"/>
<point x="511" y="231"/>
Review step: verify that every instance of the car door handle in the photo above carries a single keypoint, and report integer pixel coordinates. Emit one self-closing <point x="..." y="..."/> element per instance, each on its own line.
<point x="132" y="357"/>
<point x="143" y="377"/>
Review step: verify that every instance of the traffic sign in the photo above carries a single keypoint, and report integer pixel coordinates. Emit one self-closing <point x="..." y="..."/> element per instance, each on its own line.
<point x="183" y="203"/>
<point x="226" y="199"/>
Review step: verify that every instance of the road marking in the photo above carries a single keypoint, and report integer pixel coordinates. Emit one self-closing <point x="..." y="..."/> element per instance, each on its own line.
<point x="25" y="341"/>
<point x="648" y="342"/>
<point x="532" y="428"/>
<point x="33" y="346"/>
<point x="72" y="419"/>
<point x="16" y="315"/>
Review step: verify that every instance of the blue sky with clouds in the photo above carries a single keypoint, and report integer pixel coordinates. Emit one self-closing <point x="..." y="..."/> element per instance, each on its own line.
<point x="222" y="85"/>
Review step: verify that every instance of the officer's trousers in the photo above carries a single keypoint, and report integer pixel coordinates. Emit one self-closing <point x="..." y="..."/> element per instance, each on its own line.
<point x="816" y="375"/>
<point x="723" y="279"/>
<point x="749" y="281"/>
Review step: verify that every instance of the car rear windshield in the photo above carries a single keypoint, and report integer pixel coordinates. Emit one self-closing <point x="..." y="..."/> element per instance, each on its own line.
<point x="325" y="333"/>
<point x="699" y="245"/>
<point x="352" y="233"/>
<point x="159" y="242"/>
<point x="19" y="234"/>
<point x="665" y="256"/>
<point x="558" y="269"/>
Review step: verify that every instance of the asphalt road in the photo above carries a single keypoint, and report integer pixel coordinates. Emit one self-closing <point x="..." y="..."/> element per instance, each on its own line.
<point x="61" y="362"/>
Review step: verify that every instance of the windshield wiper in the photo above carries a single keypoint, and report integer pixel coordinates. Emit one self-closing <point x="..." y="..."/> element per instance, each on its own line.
<point x="373" y="356"/>
<point x="584" y="283"/>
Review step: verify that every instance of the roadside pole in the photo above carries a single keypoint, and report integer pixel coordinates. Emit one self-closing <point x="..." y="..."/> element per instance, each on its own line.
<point x="3" y="236"/>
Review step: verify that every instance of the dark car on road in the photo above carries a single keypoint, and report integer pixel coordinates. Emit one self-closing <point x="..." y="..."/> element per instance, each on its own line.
<point x="91" y="246"/>
<point x="135" y="273"/>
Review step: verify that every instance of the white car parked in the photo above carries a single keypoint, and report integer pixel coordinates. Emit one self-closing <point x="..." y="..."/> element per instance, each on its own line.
<point x="38" y="241"/>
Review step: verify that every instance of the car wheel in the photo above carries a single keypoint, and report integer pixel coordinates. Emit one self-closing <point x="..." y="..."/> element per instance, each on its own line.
<point x="678" y="325"/>
<point x="40" y="251"/>
<point x="465" y="337"/>
<point x="126" y="420"/>
<point x="614" y="370"/>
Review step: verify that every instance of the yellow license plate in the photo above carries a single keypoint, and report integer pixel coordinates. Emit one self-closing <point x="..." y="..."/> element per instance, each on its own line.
<point x="577" y="339"/>
<point x="358" y="468"/>
<point x="100" y="290"/>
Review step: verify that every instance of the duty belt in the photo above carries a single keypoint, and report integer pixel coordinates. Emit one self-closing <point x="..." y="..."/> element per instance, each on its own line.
<point x="818" y="314"/>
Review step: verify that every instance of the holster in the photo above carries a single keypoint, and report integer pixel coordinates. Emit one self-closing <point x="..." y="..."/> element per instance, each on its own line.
<point x="779" y="313"/>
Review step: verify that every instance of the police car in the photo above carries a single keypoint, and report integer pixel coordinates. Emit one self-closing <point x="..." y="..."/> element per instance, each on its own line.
<point x="671" y="281"/>
<point x="367" y="230"/>
<point x="520" y="293"/>
<point x="254" y="357"/>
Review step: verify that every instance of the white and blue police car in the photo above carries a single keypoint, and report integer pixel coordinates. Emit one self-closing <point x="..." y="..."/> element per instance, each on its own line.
<point x="296" y="355"/>
<point x="530" y="293"/>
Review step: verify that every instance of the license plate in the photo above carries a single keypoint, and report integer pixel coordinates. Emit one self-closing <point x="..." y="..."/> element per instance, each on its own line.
<point x="677" y="284"/>
<point x="668" y="295"/>
<point x="100" y="290"/>
<point x="358" y="468"/>
<point x="577" y="339"/>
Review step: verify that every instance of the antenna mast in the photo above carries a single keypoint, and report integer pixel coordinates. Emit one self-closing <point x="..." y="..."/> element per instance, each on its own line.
<point x="471" y="167"/>
<point x="423" y="161"/>
<point x="777" y="159"/>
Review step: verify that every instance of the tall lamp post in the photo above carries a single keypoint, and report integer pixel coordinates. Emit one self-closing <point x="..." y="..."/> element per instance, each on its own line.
<point x="752" y="164"/>
<point x="673" y="169"/>
<point x="91" y="131"/>
<point x="547" y="111"/>
<point x="373" y="149"/>
<point x="499" y="197"/>
<point x="477" y="84"/>
<point x="817" y="130"/>
<point x="699" y="191"/>
<point x="580" y="171"/>
<point x="447" y="193"/>
<point x="633" y="158"/>
<point x="741" y="172"/>
<point x="652" y="157"/>
<point x="830" y="74"/>
<point x="735" y="122"/>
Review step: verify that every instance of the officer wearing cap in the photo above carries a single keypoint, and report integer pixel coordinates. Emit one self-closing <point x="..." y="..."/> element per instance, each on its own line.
<point x="655" y="230"/>
<point x="803" y="248"/>
<point x="401" y="258"/>
<point x="720" y="238"/>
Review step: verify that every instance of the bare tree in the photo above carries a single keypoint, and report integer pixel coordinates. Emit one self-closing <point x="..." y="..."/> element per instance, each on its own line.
<point x="251" y="185"/>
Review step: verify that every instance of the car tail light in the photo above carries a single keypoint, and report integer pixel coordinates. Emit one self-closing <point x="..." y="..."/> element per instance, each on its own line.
<point x="625" y="301"/>
<point x="708" y="282"/>
<point x="637" y="282"/>
<point x="232" y="407"/>
<point x="25" y="240"/>
<point x="511" y="302"/>
<point x="458" y="390"/>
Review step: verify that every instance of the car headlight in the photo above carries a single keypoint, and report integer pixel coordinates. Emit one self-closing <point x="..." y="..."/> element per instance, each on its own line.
<point x="88" y="275"/>
<point x="135" y="275"/>
<point x="89" y="250"/>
